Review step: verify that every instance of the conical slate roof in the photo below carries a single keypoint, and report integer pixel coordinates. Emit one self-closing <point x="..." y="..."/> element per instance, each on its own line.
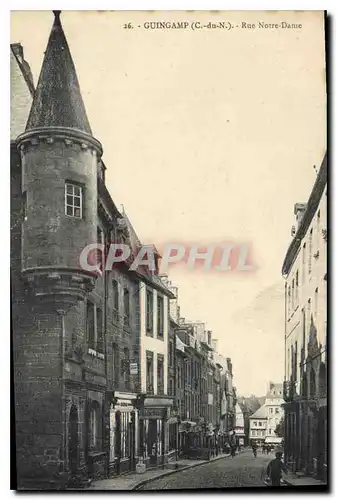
<point x="57" y="101"/>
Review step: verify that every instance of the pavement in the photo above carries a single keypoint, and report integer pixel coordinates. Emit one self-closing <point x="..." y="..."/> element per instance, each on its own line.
<point x="217" y="473"/>
<point x="293" y="479"/>
<point x="239" y="472"/>
<point x="134" y="481"/>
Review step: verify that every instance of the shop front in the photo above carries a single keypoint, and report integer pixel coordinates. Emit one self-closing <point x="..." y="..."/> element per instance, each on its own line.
<point x="154" y="431"/>
<point x="123" y="433"/>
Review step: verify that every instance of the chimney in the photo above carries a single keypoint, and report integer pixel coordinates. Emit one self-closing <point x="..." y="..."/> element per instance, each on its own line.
<point x="209" y="337"/>
<point x="299" y="209"/>
<point x="214" y="344"/>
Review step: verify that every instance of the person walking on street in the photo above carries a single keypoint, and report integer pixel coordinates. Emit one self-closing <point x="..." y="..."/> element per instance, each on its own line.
<point x="275" y="468"/>
<point x="254" y="448"/>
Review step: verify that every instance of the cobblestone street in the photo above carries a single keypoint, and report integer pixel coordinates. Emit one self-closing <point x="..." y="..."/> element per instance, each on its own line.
<point x="241" y="471"/>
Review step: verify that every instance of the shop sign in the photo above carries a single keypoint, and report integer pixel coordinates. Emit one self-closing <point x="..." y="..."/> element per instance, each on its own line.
<point x="133" y="369"/>
<point x="152" y="413"/>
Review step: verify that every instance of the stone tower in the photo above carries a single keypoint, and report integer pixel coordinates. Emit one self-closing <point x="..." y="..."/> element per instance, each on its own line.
<point x="59" y="158"/>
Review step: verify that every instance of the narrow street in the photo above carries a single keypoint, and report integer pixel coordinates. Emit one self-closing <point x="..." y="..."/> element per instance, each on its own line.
<point x="241" y="471"/>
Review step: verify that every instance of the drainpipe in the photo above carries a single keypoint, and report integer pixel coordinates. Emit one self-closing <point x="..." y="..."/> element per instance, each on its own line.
<point x="107" y="399"/>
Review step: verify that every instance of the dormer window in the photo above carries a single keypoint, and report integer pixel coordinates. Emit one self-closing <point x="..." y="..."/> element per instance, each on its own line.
<point x="73" y="200"/>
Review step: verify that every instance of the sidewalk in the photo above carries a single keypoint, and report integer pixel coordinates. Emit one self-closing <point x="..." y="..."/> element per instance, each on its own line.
<point x="299" y="479"/>
<point x="132" y="480"/>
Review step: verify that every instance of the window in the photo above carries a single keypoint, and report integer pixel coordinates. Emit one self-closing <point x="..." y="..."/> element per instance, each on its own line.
<point x="149" y="312"/>
<point x="24" y="205"/>
<point x="99" y="326"/>
<point x="255" y="424"/>
<point x="160" y="374"/>
<point x="91" y="325"/>
<point x="289" y="300"/>
<point x="115" y="299"/>
<point x="253" y="433"/>
<point x="292" y="293"/>
<point x="149" y="372"/>
<point x="170" y="354"/>
<point x="170" y="390"/>
<point x="318" y="229"/>
<point x="99" y="235"/>
<point x="178" y="377"/>
<point x="94" y="327"/>
<point x="296" y="288"/>
<point x="271" y="411"/>
<point x="73" y="200"/>
<point x="125" y="368"/>
<point x="269" y="432"/>
<point x="295" y="363"/>
<point x="309" y="316"/>
<point x="310" y="252"/>
<point x="115" y="363"/>
<point x="160" y="317"/>
<point x="277" y="410"/>
<point x="126" y="307"/>
<point x="94" y="429"/>
<point x="316" y="304"/>
<point x="304" y="260"/>
<point x="260" y="424"/>
<point x="303" y="335"/>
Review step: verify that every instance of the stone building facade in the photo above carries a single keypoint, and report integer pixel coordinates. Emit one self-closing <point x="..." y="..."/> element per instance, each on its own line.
<point x="305" y="386"/>
<point x="78" y="350"/>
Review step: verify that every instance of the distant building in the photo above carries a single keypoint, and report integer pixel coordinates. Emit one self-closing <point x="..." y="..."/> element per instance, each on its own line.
<point x="273" y="404"/>
<point x="239" y="429"/>
<point x="258" y="423"/>
<point x="305" y="385"/>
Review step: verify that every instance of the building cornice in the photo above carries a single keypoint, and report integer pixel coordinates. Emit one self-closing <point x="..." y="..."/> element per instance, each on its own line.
<point x="313" y="203"/>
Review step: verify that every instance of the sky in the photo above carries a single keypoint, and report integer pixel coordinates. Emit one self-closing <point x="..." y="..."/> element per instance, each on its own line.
<point x="208" y="136"/>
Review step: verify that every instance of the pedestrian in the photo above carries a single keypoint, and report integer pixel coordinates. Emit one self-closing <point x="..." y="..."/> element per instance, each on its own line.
<point x="233" y="450"/>
<point x="275" y="468"/>
<point x="254" y="448"/>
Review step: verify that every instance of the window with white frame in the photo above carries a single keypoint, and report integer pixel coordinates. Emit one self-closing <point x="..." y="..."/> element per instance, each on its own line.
<point x="309" y="316"/>
<point x="304" y="260"/>
<point x="316" y="303"/>
<point x="94" y="429"/>
<point x="318" y="229"/>
<point x="73" y="200"/>
<point x="94" y="328"/>
<point x="310" y="252"/>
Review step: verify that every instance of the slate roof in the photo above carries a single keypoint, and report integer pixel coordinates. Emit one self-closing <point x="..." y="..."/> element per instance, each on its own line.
<point x="262" y="412"/>
<point x="57" y="100"/>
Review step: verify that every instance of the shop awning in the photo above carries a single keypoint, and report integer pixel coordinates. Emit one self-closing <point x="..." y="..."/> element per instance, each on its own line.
<point x="273" y="440"/>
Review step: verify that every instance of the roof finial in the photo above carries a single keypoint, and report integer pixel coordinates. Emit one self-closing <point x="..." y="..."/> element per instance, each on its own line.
<point x="57" y="15"/>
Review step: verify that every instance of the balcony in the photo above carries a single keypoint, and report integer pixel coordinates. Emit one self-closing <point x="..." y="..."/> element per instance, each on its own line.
<point x="288" y="390"/>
